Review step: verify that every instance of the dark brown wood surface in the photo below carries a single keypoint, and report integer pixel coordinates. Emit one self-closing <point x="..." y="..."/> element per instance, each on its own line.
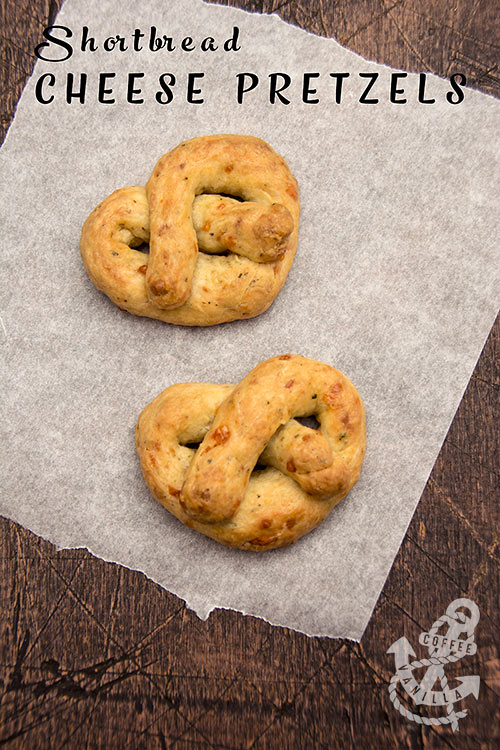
<point x="97" y="656"/>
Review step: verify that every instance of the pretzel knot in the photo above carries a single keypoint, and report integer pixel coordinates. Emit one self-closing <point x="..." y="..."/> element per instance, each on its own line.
<point x="220" y="214"/>
<point x="258" y="479"/>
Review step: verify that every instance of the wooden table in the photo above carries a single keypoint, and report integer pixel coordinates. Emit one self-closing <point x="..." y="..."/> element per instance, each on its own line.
<point x="97" y="656"/>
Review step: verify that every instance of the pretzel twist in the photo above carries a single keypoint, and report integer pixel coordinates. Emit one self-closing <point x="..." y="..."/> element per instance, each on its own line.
<point x="217" y="489"/>
<point x="182" y="211"/>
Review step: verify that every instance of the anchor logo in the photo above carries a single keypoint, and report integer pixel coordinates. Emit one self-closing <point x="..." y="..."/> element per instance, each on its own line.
<point x="443" y="648"/>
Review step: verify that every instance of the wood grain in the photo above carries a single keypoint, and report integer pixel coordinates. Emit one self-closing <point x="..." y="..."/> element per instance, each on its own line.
<point x="97" y="656"/>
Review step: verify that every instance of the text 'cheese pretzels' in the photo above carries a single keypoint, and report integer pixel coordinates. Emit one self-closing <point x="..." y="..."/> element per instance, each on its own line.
<point x="230" y="197"/>
<point x="258" y="479"/>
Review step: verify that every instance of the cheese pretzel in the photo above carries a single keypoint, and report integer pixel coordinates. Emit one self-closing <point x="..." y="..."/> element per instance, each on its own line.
<point x="221" y="488"/>
<point x="230" y="197"/>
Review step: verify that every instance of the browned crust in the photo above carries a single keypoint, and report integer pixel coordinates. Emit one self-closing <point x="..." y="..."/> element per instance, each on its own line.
<point x="213" y="489"/>
<point x="174" y="282"/>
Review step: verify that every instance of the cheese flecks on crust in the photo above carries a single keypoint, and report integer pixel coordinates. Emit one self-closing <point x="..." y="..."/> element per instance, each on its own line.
<point x="259" y="479"/>
<point x="230" y="197"/>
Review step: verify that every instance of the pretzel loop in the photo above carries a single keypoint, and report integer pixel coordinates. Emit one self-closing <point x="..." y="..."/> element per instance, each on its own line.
<point x="217" y="488"/>
<point x="248" y="241"/>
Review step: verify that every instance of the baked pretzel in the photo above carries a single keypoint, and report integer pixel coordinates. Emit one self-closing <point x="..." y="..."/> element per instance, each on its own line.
<point x="183" y="209"/>
<point x="259" y="478"/>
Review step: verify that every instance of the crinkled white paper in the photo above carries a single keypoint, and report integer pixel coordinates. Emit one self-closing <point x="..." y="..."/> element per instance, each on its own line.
<point x="394" y="283"/>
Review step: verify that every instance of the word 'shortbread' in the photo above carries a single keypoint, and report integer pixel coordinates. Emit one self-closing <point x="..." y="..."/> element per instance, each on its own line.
<point x="234" y="463"/>
<point x="220" y="214"/>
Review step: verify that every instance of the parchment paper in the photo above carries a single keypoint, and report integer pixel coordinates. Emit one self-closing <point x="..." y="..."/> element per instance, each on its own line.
<point x="394" y="283"/>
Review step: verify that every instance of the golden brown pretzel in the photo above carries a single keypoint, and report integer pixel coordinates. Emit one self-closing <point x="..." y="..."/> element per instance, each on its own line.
<point x="213" y="490"/>
<point x="182" y="210"/>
